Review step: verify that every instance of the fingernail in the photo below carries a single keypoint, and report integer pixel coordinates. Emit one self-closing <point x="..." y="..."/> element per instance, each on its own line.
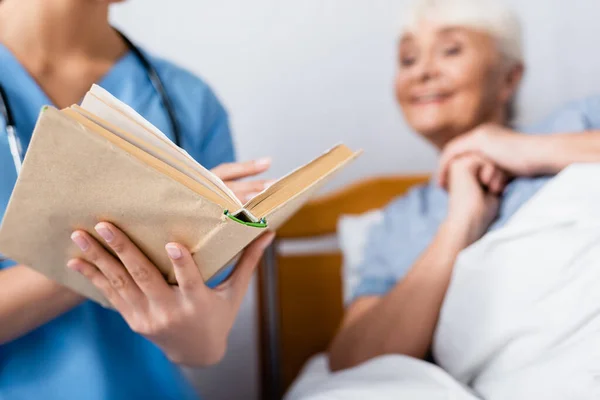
<point x="270" y="183"/>
<point x="80" y="241"/>
<point x="261" y="162"/>
<point x="72" y="264"/>
<point x="105" y="233"/>
<point x="173" y="251"/>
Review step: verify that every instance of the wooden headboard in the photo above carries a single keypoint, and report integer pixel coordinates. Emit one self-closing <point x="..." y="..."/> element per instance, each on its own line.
<point x="301" y="295"/>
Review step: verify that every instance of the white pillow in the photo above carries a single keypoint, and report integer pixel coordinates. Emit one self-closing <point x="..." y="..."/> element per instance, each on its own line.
<point x="521" y="318"/>
<point x="353" y="233"/>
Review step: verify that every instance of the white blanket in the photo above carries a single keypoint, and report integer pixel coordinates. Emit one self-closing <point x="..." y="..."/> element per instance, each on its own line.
<point x="521" y="319"/>
<point x="391" y="377"/>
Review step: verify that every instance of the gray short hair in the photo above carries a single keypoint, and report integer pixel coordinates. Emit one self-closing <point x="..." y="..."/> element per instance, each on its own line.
<point x="490" y="16"/>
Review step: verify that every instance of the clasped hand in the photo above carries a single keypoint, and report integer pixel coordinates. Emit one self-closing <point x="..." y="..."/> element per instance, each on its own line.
<point x="475" y="169"/>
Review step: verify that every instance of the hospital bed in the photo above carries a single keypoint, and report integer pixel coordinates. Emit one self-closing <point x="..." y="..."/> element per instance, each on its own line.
<point x="532" y="332"/>
<point x="300" y="291"/>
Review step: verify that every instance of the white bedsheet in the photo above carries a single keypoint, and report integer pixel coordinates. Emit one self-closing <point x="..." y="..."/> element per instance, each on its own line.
<point x="521" y="319"/>
<point x="391" y="377"/>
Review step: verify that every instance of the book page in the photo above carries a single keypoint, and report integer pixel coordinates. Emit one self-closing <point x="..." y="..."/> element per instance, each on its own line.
<point x="300" y="180"/>
<point x="146" y="158"/>
<point x="100" y="102"/>
<point x="151" y="146"/>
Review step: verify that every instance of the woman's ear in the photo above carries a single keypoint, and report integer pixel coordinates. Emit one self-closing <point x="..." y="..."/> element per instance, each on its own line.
<point x="512" y="80"/>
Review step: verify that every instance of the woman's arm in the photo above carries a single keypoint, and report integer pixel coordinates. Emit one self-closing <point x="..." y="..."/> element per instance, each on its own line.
<point x="520" y="154"/>
<point x="29" y="300"/>
<point x="552" y="153"/>
<point x="404" y="321"/>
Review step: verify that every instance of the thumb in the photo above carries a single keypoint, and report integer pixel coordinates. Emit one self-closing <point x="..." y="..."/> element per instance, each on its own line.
<point x="245" y="268"/>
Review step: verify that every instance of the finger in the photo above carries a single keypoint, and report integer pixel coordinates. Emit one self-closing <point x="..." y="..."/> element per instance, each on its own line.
<point x="445" y="163"/>
<point x="458" y="147"/>
<point x="493" y="182"/>
<point x="250" y="186"/>
<point x="145" y="274"/>
<point x="499" y="182"/>
<point x="471" y="163"/>
<point x="233" y="171"/>
<point x="451" y="151"/>
<point x="449" y="156"/>
<point x="466" y="167"/>
<point x="443" y="173"/>
<point x="240" y="280"/>
<point x="486" y="174"/>
<point x="247" y="190"/>
<point x="187" y="274"/>
<point x="114" y="272"/>
<point x="453" y="171"/>
<point x="101" y="283"/>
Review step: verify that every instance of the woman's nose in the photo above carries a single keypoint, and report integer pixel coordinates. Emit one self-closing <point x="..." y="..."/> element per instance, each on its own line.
<point x="427" y="69"/>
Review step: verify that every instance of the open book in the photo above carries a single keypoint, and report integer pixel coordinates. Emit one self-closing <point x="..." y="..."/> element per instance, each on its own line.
<point x="102" y="161"/>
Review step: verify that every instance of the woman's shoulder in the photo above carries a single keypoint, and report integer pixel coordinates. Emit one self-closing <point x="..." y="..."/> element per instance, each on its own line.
<point x="573" y="116"/>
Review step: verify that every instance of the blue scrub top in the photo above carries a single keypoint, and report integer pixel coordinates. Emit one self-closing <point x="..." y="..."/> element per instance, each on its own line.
<point x="90" y="352"/>
<point x="411" y="221"/>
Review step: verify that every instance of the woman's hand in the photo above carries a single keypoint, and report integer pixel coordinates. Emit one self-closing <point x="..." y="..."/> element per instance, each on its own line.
<point x="511" y="151"/>
<point x="231" y="173"/>
<point x="189" y="322"/>
<point x="471" y="207"/>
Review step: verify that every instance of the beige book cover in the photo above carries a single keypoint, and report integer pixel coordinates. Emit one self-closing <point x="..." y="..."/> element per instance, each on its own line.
<point x="82" y="168"/>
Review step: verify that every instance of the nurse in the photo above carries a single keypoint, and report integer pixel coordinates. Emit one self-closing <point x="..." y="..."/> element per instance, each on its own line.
<point x="53" y="344"/>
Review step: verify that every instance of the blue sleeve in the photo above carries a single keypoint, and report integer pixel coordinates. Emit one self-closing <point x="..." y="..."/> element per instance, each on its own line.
<point x="592" y="112"/>
<point x="577" y="116"/>
<point x="217" y="144"/>
<point x="409" y="225"/>
<point x="384" y="258"/>
<point x="6" y="263"/>
<point x="376" y="278"/>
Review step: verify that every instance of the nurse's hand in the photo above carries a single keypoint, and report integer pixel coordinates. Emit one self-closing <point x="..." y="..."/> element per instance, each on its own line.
<point x="189" y="322"/>
<point x="231" y="173"/>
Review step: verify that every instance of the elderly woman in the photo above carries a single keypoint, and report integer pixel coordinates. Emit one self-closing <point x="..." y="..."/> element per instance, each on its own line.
<point x="460" y="65"/>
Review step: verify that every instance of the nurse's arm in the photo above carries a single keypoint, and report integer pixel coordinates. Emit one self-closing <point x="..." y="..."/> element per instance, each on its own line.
<point x="29" y="300"/>
<point x="189" y="322"/>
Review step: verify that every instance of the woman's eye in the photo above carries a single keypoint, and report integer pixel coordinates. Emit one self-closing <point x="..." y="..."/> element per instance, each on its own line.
<point x="407" y="61"/>
<point x="452" y="51"/>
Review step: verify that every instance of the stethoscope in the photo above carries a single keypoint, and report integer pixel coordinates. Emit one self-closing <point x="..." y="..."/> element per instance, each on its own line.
<point x="16" y="148"/>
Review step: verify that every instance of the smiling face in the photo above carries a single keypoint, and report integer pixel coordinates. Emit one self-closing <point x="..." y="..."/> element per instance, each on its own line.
<point x="452" y="79"/>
